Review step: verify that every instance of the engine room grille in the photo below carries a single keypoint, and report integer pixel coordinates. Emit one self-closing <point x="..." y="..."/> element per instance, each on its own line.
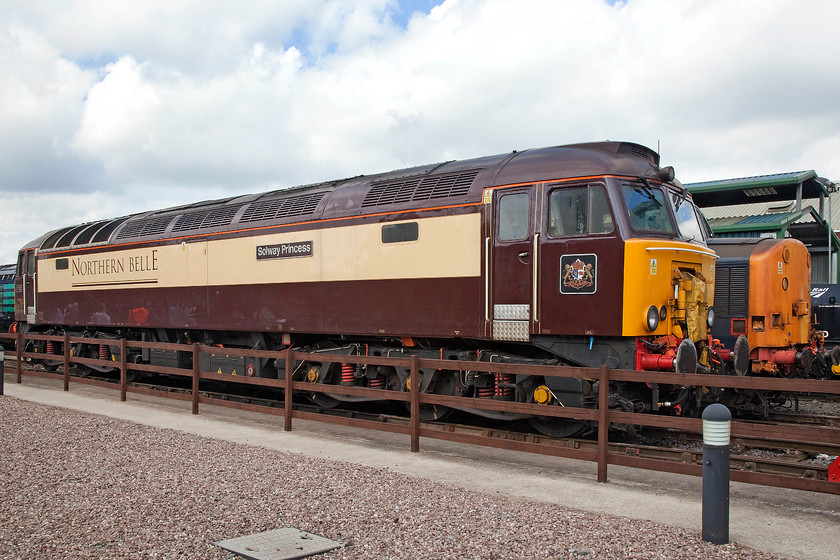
<point x="142" y="228"/>
<point x="419" y="188"/>
<point x="206" y="219"/>
<point x="282" y="208"/>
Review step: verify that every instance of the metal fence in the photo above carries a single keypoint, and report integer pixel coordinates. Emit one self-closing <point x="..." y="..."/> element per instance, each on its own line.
<point x="602" y="416"/>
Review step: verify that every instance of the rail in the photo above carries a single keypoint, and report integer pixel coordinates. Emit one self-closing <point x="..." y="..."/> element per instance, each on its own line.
<point x="602" y="416"/>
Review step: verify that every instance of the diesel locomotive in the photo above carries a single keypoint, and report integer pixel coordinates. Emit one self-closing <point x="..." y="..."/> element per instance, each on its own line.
<point x="763" y="303"/>
<point x="7" y="297"/>
<point x="825" y="311"/>
<point x="582" y="255"/>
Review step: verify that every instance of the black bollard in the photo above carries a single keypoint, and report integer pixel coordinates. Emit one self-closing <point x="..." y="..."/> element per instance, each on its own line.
<point x="717" y="421"/>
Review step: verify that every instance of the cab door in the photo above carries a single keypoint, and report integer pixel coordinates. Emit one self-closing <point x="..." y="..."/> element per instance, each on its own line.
<point x="514" y="263"/>
<point x="30" y="285"/>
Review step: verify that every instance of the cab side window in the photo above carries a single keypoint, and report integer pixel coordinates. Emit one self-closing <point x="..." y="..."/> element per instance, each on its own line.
<point x="513" y="217"/>
<point x="600" y="218"/>
<point x="578" y="211"/>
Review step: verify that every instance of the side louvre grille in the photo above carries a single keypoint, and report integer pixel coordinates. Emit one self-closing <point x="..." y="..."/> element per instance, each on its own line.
<point x="722" y="291"/>
<point x="738" y="279"/>
<point x="142" y="228"/>
<point x="731" y="290"/>
<point x="281" y="208"/>
<point x="425" y="188"/>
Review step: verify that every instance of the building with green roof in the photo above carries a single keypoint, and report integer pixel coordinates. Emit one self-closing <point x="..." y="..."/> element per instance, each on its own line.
<point x="798" y="204"/>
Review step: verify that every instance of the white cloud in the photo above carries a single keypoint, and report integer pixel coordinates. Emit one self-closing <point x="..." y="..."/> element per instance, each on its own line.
<point x="40" y="106"/>
<point x="98" y="99"/>
<point x="173" y="127"/>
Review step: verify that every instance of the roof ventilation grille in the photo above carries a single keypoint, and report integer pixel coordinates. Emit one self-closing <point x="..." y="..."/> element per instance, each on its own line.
<point x="143" y="228"/>
<point x="425" y="188"/>
<point x="206" y="219"/>
<point x="282" y="208"/>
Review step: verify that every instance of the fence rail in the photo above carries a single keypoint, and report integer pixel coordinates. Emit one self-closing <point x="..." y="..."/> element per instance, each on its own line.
<point x="601" y="415"/>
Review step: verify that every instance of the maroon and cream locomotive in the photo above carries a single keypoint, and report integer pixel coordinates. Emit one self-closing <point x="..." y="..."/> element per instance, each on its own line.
<point x="583" y="255"/>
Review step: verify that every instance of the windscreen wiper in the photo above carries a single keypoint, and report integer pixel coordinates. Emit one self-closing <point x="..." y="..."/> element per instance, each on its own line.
<point x="649" y="191"/>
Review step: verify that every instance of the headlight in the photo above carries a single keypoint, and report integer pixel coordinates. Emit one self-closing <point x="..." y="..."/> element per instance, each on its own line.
<point x="710" y="317"/>
<point x="652" y="318"/>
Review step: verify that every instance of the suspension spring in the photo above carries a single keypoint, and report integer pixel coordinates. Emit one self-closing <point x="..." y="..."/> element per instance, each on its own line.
<point x="50" y="347"/>
<point x="485" y="392"/>
<point x="377" y="382"/>
<point x="504" y="387"/>
<point x="104" y="352"/>
<point x="348" y="374"/>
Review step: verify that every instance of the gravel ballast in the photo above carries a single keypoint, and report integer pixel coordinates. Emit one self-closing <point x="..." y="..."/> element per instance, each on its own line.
<point x="75" y="485"/>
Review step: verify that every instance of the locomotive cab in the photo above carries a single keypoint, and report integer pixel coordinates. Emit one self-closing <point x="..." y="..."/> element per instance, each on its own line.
<point x="606" y="270"/>
<point x="602" y="270"/>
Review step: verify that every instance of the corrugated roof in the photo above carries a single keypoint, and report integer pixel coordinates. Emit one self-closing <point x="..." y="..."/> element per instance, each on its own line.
<point x="764" y="222"/>
<point x="745" y="209"/>
<point x="757" y="181"/>
<point x="760" y="188"/>
<point x="769" y="218"/>
<point x="776" y="207"/>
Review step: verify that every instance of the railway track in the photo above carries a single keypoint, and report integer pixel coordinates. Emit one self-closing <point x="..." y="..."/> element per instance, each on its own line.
<point x="806" y="419"/>
<point x="794" y="459"/>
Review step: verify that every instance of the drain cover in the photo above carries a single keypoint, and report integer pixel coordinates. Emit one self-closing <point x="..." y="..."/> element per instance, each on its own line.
<point x="279" y="544"/>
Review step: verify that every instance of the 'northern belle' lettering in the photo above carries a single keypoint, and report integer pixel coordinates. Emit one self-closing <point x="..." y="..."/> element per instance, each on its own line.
<point x="139" y="263"/>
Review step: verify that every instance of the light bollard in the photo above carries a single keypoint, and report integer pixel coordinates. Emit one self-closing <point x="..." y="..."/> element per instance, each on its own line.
<point x="717" y="422"/>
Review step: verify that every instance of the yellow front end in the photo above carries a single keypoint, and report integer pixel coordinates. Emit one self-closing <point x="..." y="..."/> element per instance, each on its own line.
<point x="674" y="277"/>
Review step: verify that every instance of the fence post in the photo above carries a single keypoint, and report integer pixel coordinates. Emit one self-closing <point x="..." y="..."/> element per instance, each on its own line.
<point x="603" y="421"/>
<point x="287" y="395"/>
<point x="414" y="390"/>
<point x="195" y="379"/>
<point x="2" y="368"/>
<point x="123" y="370"/>
<point x="717" y="421"/>
<point x="66" y="371"/>
<point x="19" y="349"/>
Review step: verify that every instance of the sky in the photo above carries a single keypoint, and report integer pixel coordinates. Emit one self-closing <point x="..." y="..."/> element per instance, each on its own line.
<point x="112" y="108"/>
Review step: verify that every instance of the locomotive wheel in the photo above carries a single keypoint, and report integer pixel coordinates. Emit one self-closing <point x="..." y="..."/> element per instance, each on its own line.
<point x="432" y="412"/>
<point x="48" y="367"/>
<point x="558" y="427"/>
<point x="444" y="384"/>
<point x="324" y="400"/>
